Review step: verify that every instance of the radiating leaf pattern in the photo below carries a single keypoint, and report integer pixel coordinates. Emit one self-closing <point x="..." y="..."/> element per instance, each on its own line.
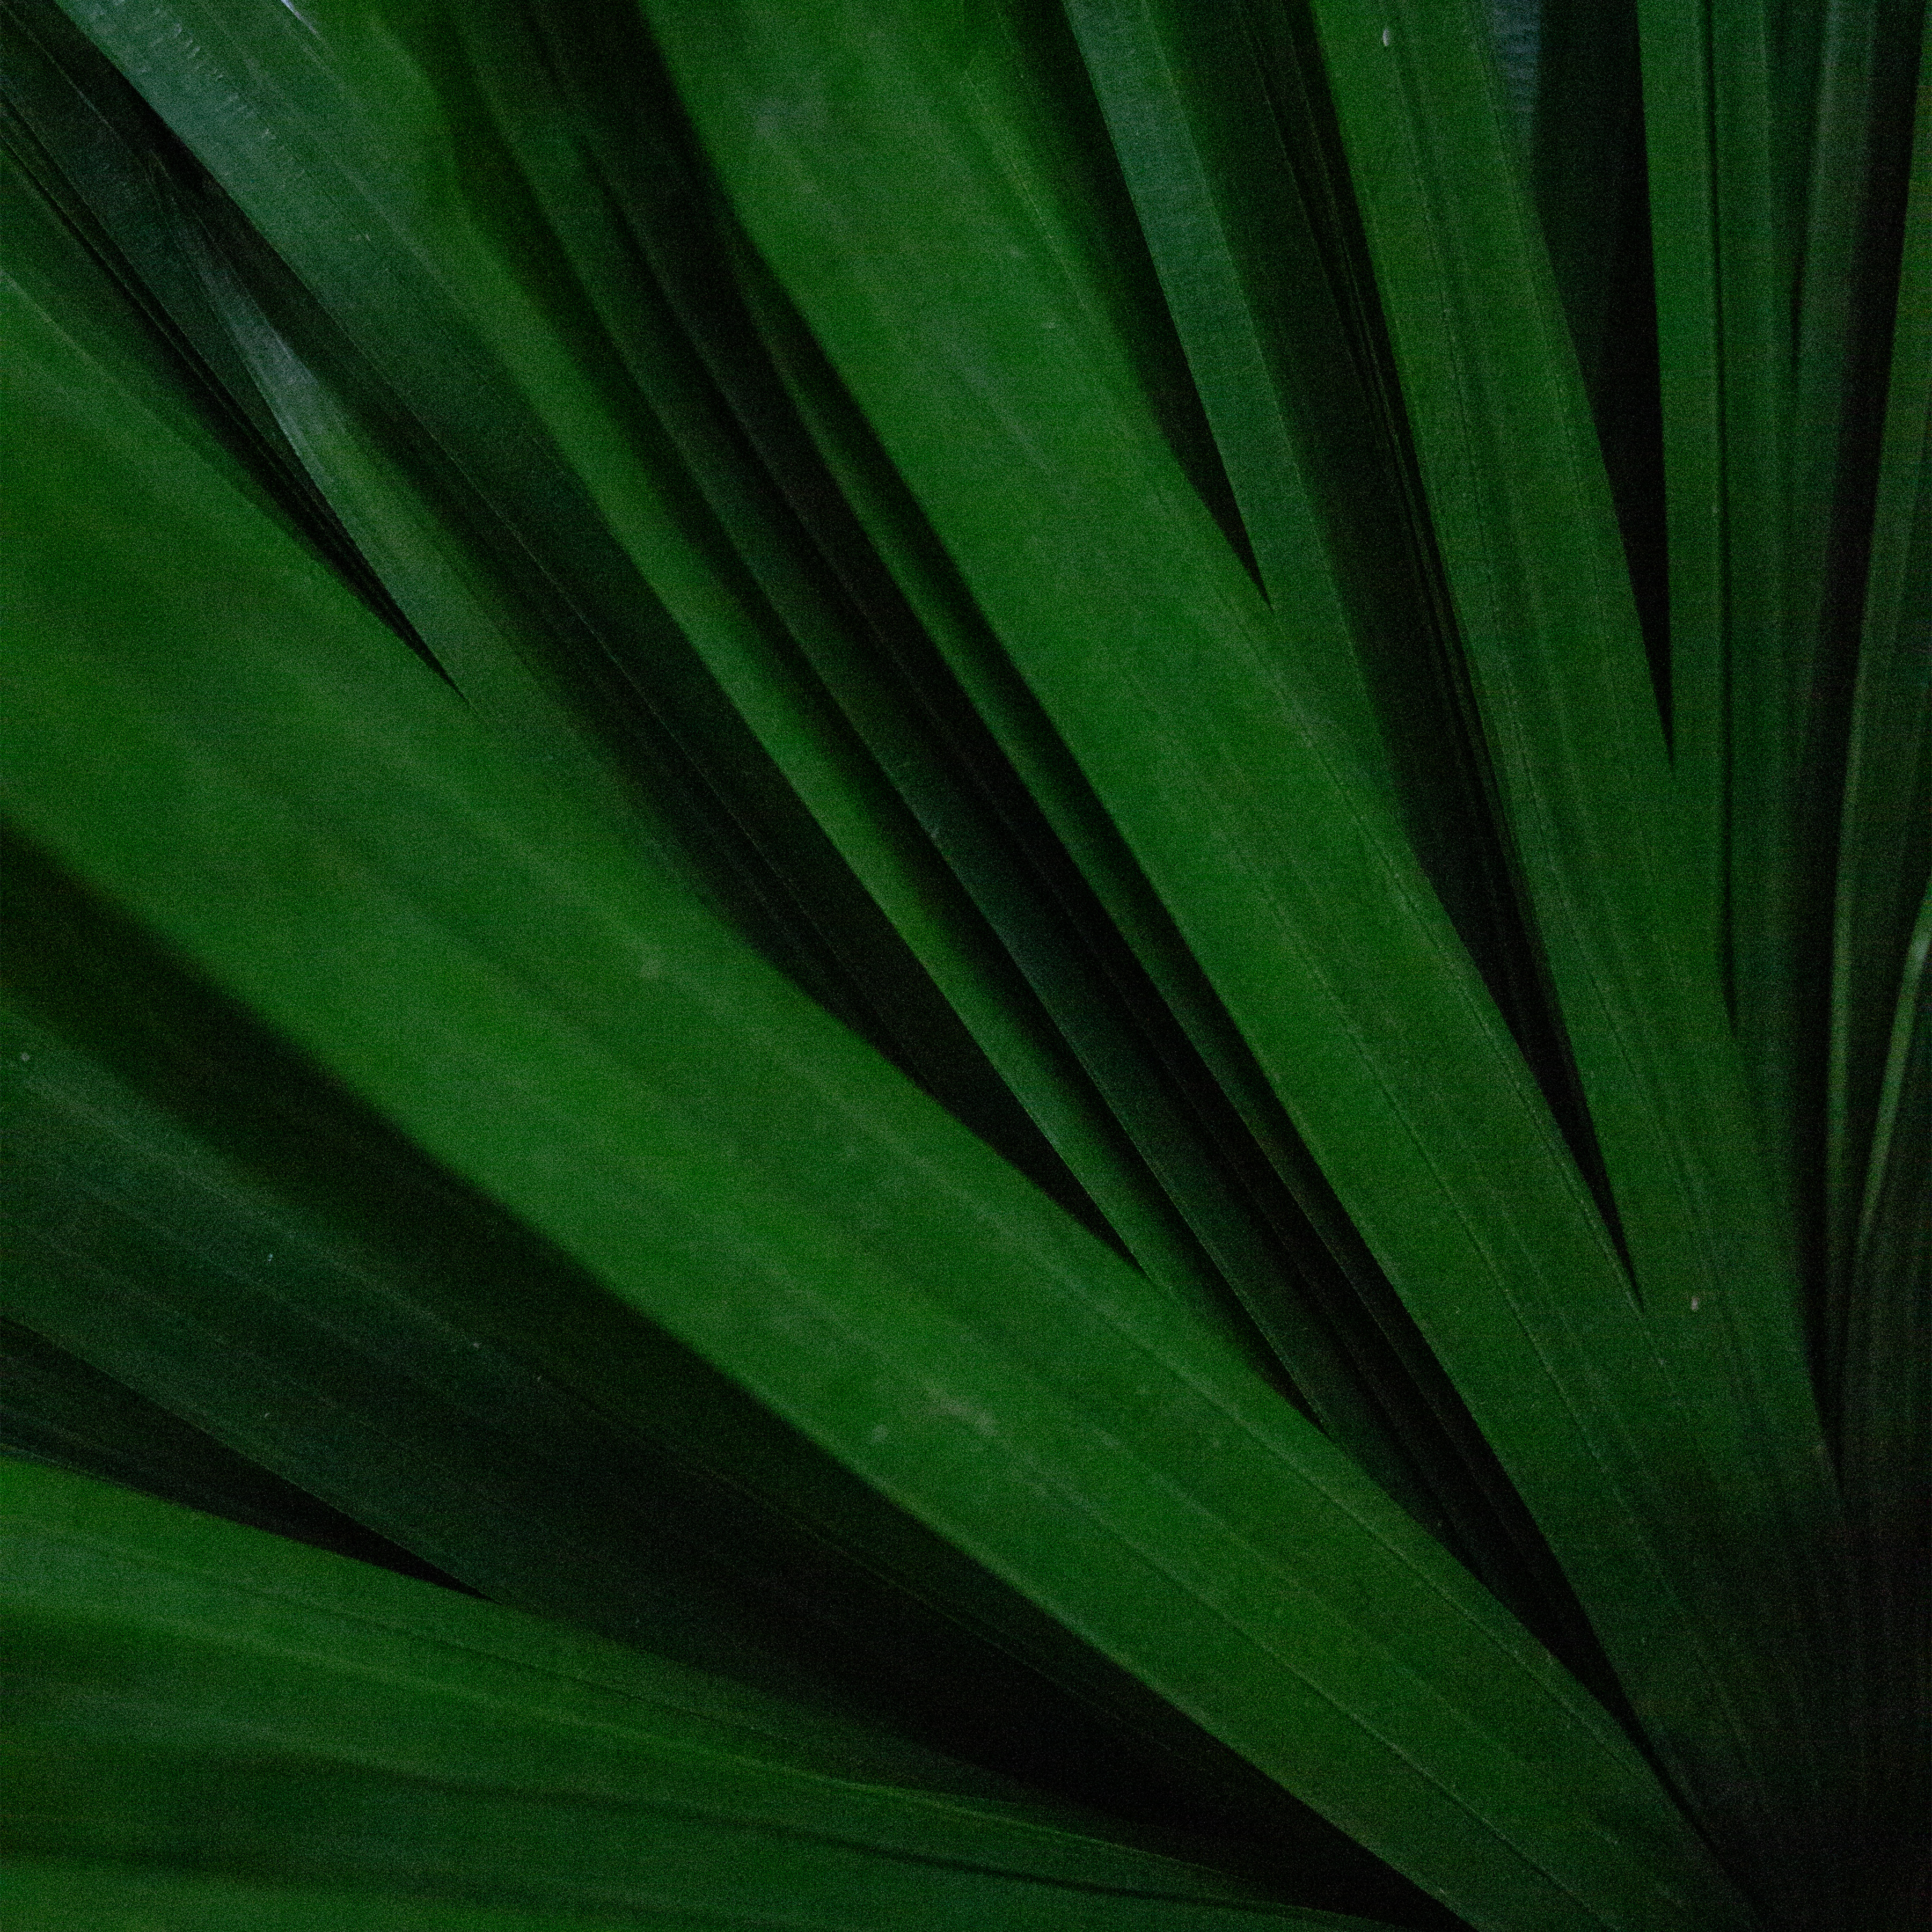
<point x="966" y="964"/>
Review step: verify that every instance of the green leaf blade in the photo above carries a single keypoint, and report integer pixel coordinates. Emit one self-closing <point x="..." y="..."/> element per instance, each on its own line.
<point x="900" y="1323"/>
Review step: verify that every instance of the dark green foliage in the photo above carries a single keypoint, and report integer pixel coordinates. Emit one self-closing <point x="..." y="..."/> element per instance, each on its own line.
<point x="1012" y="908"/>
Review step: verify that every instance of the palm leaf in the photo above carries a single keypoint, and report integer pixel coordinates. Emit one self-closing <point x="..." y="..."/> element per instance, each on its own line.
<point x="364" y="1690"/>
<point x="937" y="883"/>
